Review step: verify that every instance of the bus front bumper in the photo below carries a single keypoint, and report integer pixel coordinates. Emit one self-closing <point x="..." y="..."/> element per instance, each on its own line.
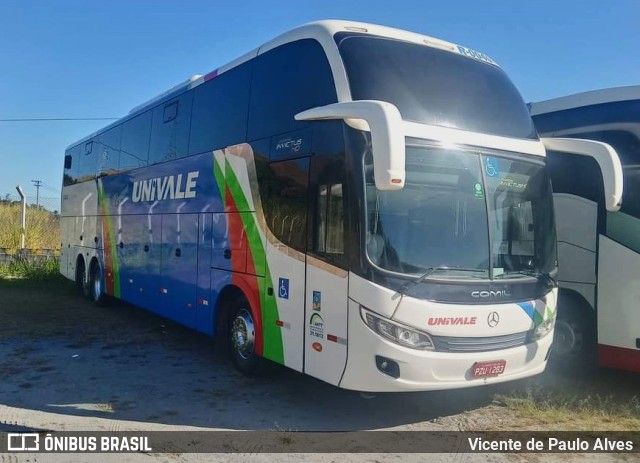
<point x="421" y="370"/>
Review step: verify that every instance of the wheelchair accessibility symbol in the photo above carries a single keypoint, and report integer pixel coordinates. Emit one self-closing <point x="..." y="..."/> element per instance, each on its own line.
<point x="283" y="288"/>
<point x="491" y="167"/>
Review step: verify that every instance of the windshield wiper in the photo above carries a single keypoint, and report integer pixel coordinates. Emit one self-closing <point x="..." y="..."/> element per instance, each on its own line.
<point x="432" y="270"/>
<point x="531" y="273"/>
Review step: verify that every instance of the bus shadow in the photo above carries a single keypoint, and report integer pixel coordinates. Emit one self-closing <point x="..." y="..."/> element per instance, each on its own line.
<point x="131" y="365"/>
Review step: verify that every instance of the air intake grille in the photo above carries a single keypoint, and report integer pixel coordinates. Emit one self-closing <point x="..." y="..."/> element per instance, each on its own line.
<point x="485" y="344"/>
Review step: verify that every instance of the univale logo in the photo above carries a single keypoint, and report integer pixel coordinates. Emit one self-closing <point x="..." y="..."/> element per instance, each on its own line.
<point x="169" y="187"/>
<point x="452" y="320"/>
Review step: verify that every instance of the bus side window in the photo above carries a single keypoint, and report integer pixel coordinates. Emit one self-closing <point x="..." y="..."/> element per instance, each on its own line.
<point x="71" y="172"/>
<point x="107" y="148"/>
<point x="284" y="191"/>
<point x="170" y="129"/>
<point x="330" y="228"/>
<point x="135" y="142"/>
<point x="87" y="161"/>
<point x="220" y="111"/>
<point x="287" y="80"/>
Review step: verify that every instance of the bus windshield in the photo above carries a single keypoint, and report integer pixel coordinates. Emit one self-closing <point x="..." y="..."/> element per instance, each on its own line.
<point x="434" y="86"/>
<point x="466" y="214"/>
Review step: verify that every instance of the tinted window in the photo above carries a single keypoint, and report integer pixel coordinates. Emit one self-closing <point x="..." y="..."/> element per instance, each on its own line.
<point x="220" y="108"/>
<point x="589" y="118"/>
<point x="170" y="129"/>
<point x="71" y="174"/>
<point x="135" y="142"/>
<point x="87" y="161"/>
<point x="284" y="195"/>
<point x="435" y="86"/>
<point x="107" y="150"/>
<point x="627" y="146"/>
<point x="287" y="80"/>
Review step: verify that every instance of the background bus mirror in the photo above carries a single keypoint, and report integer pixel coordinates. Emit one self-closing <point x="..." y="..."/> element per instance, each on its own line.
<point x="604" y="155"/>
<point x="67" y="161"/>
<point x="387" y="137"/>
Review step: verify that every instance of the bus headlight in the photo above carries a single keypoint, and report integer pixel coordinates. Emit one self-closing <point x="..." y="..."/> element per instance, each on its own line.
<point x="545" y="327"/>
<point x="399" y="334"/>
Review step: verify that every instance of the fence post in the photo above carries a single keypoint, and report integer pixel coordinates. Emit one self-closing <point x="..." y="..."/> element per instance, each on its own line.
<point x="24" y="216"/>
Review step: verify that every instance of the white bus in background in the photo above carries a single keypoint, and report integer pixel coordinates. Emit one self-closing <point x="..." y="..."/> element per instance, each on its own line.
<point x="598" y="249"/>
<point x="362" y="204"/>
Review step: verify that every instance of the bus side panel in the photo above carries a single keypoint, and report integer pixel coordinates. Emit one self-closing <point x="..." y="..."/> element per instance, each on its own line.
<point x="204" y="321"/>
<point x="178" y="273"/>
<point x="140" y="259"/>
<point x="618" y="314"/>
<point x="67" y="258"/>
<point x="288" y="283"/>
<point x="325" y="344"/>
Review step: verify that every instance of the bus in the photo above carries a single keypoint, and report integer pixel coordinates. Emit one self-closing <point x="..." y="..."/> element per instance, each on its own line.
<point x="599" y="249"/>
<point x="365" y="205"/>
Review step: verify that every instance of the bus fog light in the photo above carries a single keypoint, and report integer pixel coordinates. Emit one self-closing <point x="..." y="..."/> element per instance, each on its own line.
<point x="388" y="366"/>
<point x="396" y="333"/>
<point x="544" y="328"/>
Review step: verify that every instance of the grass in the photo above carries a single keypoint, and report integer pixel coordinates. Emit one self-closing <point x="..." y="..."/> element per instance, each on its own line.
<point x="42" y="228"/>
<point x="23" y="271"/>
<point x="574" y="410"/>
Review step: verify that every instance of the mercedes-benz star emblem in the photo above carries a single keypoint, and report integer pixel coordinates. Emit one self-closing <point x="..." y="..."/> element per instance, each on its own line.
<point x="493" y="319"/>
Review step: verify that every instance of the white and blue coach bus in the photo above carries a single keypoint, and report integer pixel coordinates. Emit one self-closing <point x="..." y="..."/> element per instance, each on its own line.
<point x="366" y="205"/>
<point x="599" y="248"/>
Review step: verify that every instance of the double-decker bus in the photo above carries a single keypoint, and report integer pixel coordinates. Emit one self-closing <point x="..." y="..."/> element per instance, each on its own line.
<point x="599" y="250"/>
<point x="366" y="205"/>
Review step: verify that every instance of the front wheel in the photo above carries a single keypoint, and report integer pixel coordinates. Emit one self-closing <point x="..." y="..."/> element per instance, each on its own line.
<point x="242" y="339"/>
<point x="574" y="336"/>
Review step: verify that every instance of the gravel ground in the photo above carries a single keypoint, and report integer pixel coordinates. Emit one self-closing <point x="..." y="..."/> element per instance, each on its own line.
<point x="68" y="365"/>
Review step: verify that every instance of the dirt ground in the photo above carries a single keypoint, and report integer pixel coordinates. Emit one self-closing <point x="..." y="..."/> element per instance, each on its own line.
<point x="66" y="364"/>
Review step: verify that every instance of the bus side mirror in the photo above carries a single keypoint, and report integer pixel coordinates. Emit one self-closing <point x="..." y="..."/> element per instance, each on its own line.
<point x="604" y="155"/>
<point x="387" y="136"/>
<point x="67" y="161"/>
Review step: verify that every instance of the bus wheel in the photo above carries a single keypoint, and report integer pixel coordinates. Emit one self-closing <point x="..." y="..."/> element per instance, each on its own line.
<point x="242" y="338"/>
<point x="81" y="278"/>
<point x="96" y="285"/>
<point x="574" y="336"/>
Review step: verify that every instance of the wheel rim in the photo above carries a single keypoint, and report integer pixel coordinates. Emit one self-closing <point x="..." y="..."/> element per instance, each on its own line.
<point x="243" y="334"/>
<point x="567" y="339"/>
<point x="97" y="283"/>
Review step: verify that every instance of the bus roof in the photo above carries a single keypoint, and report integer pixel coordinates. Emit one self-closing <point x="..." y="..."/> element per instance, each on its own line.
<point x="579" y="100"/>
<point x="323" y="31"/>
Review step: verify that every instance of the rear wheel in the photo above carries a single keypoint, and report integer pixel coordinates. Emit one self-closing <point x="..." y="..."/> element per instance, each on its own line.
<point x="81" y="278"/>
<point x="242" y="338"/>
<point x="96" y="285"/>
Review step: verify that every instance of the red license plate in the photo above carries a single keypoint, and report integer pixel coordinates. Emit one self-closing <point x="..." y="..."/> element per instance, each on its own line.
<point x="487" y="369"/>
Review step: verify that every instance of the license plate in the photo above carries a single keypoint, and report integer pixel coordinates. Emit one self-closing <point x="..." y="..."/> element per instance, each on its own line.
<point x="487" y="369"/>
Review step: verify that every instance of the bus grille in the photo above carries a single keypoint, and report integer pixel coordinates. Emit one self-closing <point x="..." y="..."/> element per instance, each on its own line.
<point x="485" y="344"/>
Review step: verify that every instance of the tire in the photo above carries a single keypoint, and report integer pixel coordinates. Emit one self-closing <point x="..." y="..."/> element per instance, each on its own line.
<point x="574" y="339"/>
<point x="81" y="278"/>
<point x="96" y="285"/>
<point x="241" y="336"/>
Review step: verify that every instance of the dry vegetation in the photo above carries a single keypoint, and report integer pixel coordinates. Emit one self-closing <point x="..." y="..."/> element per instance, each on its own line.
<point x="43" y="228"/>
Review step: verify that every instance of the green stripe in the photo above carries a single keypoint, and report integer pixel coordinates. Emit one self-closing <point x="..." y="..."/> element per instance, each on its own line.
<point x="219" y="176"/>
<point x="273" y="347"/>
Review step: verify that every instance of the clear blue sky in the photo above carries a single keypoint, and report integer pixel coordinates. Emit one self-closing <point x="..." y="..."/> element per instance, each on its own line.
<point x="101" y="58"/>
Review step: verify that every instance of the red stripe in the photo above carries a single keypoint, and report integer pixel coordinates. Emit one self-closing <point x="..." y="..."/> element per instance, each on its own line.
<point x="619" y="357"/>
<point x="331" y="337"/>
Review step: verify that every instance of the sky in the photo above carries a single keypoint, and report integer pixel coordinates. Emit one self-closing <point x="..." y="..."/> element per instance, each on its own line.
<point x="99" y="59"/>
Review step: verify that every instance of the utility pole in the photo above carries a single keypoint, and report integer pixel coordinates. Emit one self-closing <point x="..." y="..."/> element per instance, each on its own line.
<point x="23" y="232"/>
<point x="37" y="184"/>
